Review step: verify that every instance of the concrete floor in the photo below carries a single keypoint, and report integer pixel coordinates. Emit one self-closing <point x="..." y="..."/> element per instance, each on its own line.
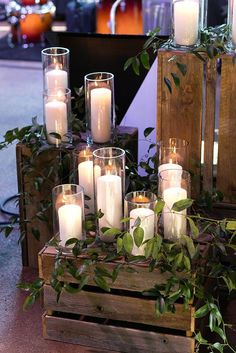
<point x="20" y="332"/>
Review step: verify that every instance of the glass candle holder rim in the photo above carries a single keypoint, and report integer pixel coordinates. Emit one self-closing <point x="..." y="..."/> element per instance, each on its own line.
<point x="79" y="188"/>
<point x="65" y="51"/>
<point x="122" y="152"/>
<point x="109" y="74"/>
<point x="165" y="144"/>
<point x="131" y="193"/>
<point x="183" y="171"/>
<point x="54" y="92"/>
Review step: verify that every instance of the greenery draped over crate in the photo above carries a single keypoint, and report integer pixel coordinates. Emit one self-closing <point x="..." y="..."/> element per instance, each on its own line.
<point x="206" y="255"/>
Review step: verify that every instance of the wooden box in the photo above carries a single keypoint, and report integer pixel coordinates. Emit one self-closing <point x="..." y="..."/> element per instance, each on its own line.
<point x="31" y="197"/>
<point x="122" y="320"/>
<point x="204" y="100"/>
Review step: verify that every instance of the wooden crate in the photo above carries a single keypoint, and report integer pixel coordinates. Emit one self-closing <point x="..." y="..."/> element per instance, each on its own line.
<point x="122" y="320"/>
<point x="190" y="113"/>
<point x="128" y="137"/>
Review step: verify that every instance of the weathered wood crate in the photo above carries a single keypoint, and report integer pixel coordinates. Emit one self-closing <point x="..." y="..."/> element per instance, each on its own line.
<point x="204" y="100"/>
<point x="31" y="197"/>
<point x="122" y="320"/>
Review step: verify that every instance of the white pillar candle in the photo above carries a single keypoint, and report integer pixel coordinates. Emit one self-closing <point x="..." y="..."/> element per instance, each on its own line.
<point x="70" y="222"/>
<point x="56" y="78"/>
<point x="147" y="217"/>
<point x="85" y="176"/>
<point x="175" y="223"/>
<point x="56" y="119"/>
<point x="101" y="114"/>
<point x="169" y="166"/>
<point x="234" y="23"/>
<point x="186" y="22"/>
<point x="171" y="174"/>
<point x="109" y="200"/>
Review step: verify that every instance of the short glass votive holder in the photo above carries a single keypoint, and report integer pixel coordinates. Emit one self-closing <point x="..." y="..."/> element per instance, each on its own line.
<point x="68" y="213"/>
<point x="100" y="106"/>
<point x="174" y="185"/>
<point x="231" y="21"/>
<point x="83" y="169"/>
<point x="141" y="204"/>
<point x="186" y="23"/>
<point x="57" y="112"/>
<point x="109" y="181"/>
<point x="172" y="152"/>
<point x="55" y="67"/>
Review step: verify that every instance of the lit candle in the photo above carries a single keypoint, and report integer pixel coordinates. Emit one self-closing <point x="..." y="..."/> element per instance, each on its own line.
<point x="56" y="119"/>
<point x="85" y="174"/>
<point x="101" y="114"/>
<point x="186" y="21"/>
<point x="174" y="223"/>
<point x="234" y="23"/>
<point x="147" y="218"/>
<point x="70" y="222"/>
<point x="109" y="200"/>
<point x="56" y="78"/>
<point x="140" y="199"/>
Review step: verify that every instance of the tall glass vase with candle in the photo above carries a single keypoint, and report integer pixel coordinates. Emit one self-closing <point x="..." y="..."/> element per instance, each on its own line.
<point x="57" y="109"/>
<point x="174" y="185"/>
<point x="172" y="154"/>
<point x="55" y="68"/>
<point x="83" y="166"/>
<point x="232" y="25"/>
<point x="68" y="213"/>
<point x="141" y="204"/>
<point x="109" y="181"/>
<point x="100" y="107"/>
<point x="186" y="23"/>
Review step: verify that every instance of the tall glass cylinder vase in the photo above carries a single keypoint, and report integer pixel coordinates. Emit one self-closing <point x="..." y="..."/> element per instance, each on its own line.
<point x="109" y="181"/>
<point x="68" y="212"/>
<point x="83" y="167"/>
<point x="57" y="111"/>
<point x="100" y="106"/>
<point x="172" y="154"/>
<point x="55" y="68"/>
<point x="174" y="185"/>
<point x="186" y="23"/>
<point x="232" y="25"/>
<point x="141" y="204"/>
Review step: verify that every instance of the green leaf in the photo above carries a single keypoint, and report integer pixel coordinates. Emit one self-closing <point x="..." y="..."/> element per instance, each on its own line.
<point x="84" y="280"/>
<point x="137" y="222"/>
<point x="219" y="347"/>
<point x="136" y="65"/>
<point x="102" y="272"/>
<point x="160" y="306"/>
<point x="231" y="225"/>
<point x="30" y="300"/>
<point x="138" y="236"/>
<point x="119" y="245"/>
<point x="128" y="242"/>
<point x="125" y="220"/>
<point x="128" y="63"/>
<point x="190" y="245"/>
<point x="159" y="207"/>
<point x="148" y="131"/>
<point x="8" y="230"/>
<point x="202" y="311"/>
<point x="156" y="247"/>
<point x="70" y="289"/>
<point x="178" y="259"/>
<point x="182" y="68"/>
<point x="182" y="205"/>
<point x="200" y="339"/>
<point x="187" y="263"/>
<point x="149" y="247"/>
<point x="111" y="232"/>
<point x="194" y="229"/>
<point x="144" y="57"/>
<point x="101" y="282"/>
<point x="175" y="79"/>
<point x="168" y="84"/>
<point x="230" y="280"/>
<point x="71" y="241"/>
<point x="115" y="272"/>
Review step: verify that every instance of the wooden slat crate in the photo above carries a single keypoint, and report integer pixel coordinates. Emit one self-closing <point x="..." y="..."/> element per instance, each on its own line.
<point x="28" y="210"/>
<point x="190" y="112"/>
<point x="122" y="320"/>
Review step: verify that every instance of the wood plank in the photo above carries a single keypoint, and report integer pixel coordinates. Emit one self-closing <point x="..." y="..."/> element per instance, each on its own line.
<point x="226" y="171"/>
<point x="209" y="123"/>
<point x="180" y="113"/>
<point x="114" y="338"/>
<point x="136" y="281"/>
<point x="118" y="307"/>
